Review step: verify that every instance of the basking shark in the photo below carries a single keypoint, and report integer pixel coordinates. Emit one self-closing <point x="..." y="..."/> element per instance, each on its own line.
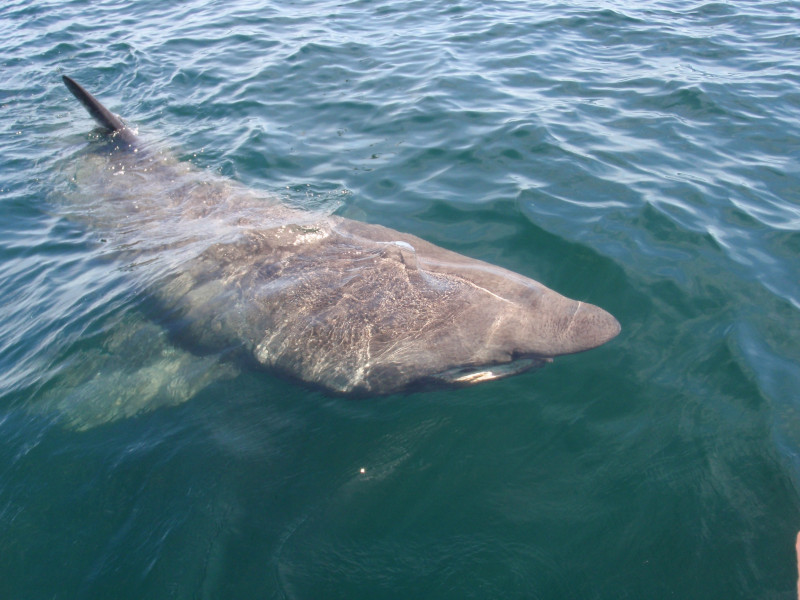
<point x="351" y="307"/>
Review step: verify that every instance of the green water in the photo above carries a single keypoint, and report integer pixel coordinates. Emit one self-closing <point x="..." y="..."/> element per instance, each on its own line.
<point x="643" y="158"/>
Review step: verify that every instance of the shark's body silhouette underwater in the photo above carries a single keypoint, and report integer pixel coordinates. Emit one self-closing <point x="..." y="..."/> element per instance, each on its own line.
<point x="351" y="307"/>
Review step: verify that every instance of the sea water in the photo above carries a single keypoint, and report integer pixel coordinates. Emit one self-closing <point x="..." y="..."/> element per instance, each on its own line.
<point x="639" y="156"/>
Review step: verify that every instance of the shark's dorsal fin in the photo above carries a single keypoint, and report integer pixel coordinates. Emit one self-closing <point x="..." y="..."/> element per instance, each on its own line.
<point x="100" y="113"/>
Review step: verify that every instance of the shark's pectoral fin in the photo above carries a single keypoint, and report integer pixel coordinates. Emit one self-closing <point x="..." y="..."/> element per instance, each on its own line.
<point x="137" y="370"/>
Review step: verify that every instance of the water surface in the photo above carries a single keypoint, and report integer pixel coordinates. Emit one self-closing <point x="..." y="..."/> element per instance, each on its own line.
<point x="643" y="158"/>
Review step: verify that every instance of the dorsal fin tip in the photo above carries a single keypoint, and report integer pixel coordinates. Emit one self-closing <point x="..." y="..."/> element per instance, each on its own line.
<point x="99" y="113"/>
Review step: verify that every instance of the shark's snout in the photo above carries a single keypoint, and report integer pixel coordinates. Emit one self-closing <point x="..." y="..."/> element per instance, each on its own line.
<point x="551" y="325"/>
<point x="590" y="326"/>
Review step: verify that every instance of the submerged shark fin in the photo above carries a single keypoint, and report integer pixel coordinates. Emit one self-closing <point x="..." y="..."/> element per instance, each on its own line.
<point x="136" y="369"/>
<point x="99" y="112"/>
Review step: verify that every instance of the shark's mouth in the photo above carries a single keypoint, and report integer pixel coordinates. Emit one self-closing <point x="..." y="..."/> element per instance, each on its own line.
<point x="469" y="375"/>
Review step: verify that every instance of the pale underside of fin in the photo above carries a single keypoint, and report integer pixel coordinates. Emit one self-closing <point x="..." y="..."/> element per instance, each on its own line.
<point x="136" y="370"/>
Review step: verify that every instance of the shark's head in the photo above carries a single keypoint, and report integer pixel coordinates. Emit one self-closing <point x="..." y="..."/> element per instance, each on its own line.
<point x="370" y="310"/>
<point x="504" y="324"/>
<point x="529" y="327"/>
